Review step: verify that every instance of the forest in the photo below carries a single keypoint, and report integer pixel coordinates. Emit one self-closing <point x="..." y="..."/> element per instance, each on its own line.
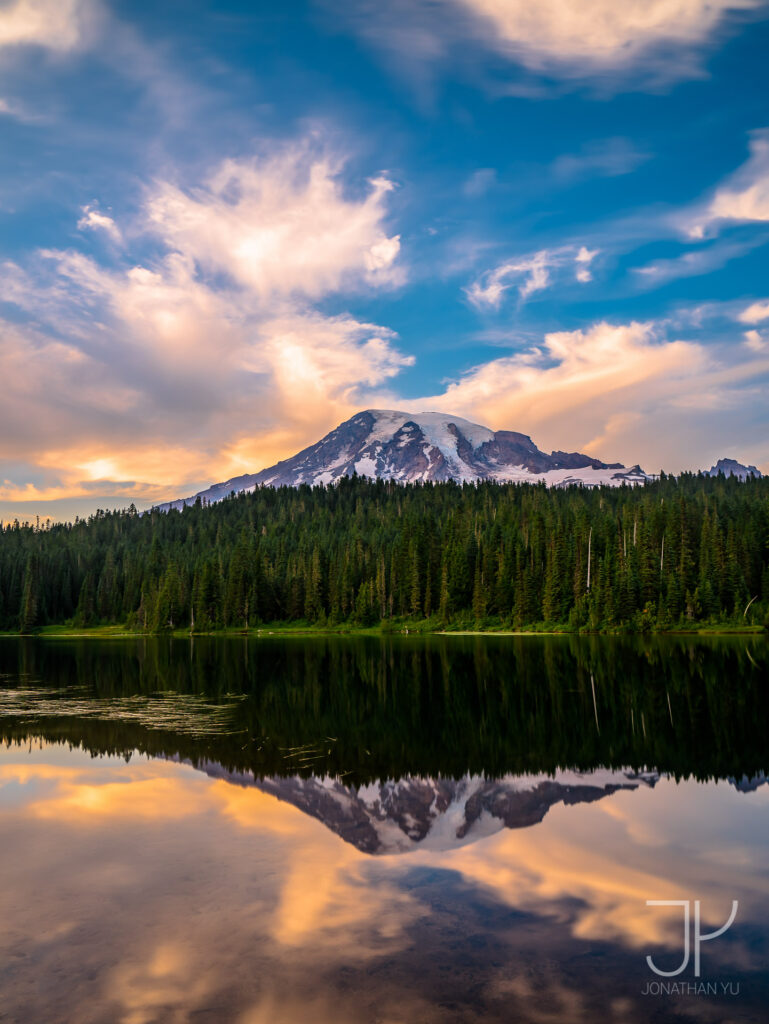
<point x="677" y="552"/>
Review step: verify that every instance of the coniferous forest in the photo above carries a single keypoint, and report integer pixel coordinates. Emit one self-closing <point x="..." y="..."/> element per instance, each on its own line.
<point x="677" y="552"/>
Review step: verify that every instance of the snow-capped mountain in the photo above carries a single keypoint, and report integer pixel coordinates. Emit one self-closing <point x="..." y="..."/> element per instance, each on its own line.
<point x="434" y="813"/>
<point x="731" y="467"/>
<point x="408" y="447"/>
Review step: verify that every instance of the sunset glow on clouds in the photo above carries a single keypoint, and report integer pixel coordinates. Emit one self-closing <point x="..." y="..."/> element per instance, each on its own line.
<point x="209" y="261"/>
<point x="263" y="875"/>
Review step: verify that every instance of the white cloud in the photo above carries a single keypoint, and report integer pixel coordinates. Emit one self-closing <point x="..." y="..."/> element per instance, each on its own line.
<point x="755" y="341"/>
<point x="94" y="220"/>
<point x="489" y="289"/>
<point x="531" y="273"/>
<point x="53" y="24"/>
<point x="744" y="197"/>
<point x="604" y="41"/>
<point x="755" y="312"/>
<point x="605" y="158"/>
<point x="282" y="225"/>
<point x="583" y="259"/>
<point x="602" y="33"/>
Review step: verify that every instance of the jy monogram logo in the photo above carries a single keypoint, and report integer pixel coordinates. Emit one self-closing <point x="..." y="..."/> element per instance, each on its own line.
<point x="698" y="936"/>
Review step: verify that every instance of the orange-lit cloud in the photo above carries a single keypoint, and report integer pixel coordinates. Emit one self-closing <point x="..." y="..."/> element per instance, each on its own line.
<point x="229" y="897"/>
<point x="614" y="855"/>
<point x="155" y="378"/>
<point x="596" y="386"/>
<point x="152" y="379"/>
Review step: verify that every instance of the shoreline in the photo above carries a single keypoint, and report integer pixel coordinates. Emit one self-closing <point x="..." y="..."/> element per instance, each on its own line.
<point x="122" y="633"/>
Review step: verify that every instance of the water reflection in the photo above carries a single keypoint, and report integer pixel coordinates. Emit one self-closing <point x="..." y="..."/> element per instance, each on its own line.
<point x="181" y="886"/>
<point x="370" y="708"/>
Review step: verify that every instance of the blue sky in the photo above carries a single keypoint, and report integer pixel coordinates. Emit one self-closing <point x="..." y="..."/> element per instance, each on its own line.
<point x="224" y="228"/>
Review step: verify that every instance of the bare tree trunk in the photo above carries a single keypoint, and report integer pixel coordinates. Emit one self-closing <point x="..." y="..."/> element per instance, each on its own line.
<point x="589" y="549"/>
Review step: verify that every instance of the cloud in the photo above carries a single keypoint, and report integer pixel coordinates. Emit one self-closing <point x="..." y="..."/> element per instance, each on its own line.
<point x="616" y="391"/>
<point x="532" y="273"/>
<point x="607" y="158"/>
<point x="94" y="220"/>
<point x="755" y="341"/>
<point x="153" y="377"/>
<point x="744" y="196"/>
<point x="583" y="860"/>
<point x="755" y="312"/>
<point x="58" y="25"/>
<point x="695" y="262"/>
<point x="656" y="42"/>
<point x="281" y="225"/>
<point x="10" y="108"/>
<point x="601" y="33"/>
<point x="584" y="258"/>
<point x="480" y="182"/>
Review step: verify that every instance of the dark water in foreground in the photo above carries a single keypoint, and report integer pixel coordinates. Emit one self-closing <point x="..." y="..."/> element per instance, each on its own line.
<point x="396" y="830"/>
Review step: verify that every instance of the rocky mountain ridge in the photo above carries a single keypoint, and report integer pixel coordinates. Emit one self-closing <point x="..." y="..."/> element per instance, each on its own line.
<point x="731" y="467"/>
<point x="412" y="447"/>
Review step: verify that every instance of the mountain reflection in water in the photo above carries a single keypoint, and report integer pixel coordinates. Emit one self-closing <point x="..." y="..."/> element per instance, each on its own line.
<point x="188" y="828"/>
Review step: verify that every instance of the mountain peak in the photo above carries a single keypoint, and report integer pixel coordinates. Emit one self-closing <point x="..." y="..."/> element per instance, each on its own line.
<point x="411" y="447"/>
<point x="731" y="467"/>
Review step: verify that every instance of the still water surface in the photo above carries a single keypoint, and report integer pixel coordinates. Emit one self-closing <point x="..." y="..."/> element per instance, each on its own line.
<point x="397" y="830"/>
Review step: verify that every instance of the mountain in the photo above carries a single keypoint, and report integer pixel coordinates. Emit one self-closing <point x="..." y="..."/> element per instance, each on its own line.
<point x="409" y="447"/>
<point x="434" y="813"/>
<point x="730" y="467"/>
<point x="418" y="812"/>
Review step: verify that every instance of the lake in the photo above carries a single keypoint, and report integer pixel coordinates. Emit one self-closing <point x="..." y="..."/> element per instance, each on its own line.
<point x="396" y="829"/>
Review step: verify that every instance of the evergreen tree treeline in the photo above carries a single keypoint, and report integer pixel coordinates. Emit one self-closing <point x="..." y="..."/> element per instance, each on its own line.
<point x="675" y="551"/>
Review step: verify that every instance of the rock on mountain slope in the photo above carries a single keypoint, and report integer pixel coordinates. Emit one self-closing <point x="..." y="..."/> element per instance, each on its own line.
<point x="424" y="446"/>
<point x="731" y="467"/>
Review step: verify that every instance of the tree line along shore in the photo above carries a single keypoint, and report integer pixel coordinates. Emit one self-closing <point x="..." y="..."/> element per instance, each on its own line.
<point x="687" y="552"/>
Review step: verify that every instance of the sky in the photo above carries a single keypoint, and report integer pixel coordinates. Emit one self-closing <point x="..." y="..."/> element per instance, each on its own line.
<point x="226" y="227"/>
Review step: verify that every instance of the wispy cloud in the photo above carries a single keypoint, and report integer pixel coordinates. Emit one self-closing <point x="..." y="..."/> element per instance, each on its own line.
<point x="480" y="182"/>
<point x="94" y="220"/>
<point x="695" y="262"/>
<point x="605" y="158"/>
<point x="531" y="274"/>
<point x="742" y="198"/>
